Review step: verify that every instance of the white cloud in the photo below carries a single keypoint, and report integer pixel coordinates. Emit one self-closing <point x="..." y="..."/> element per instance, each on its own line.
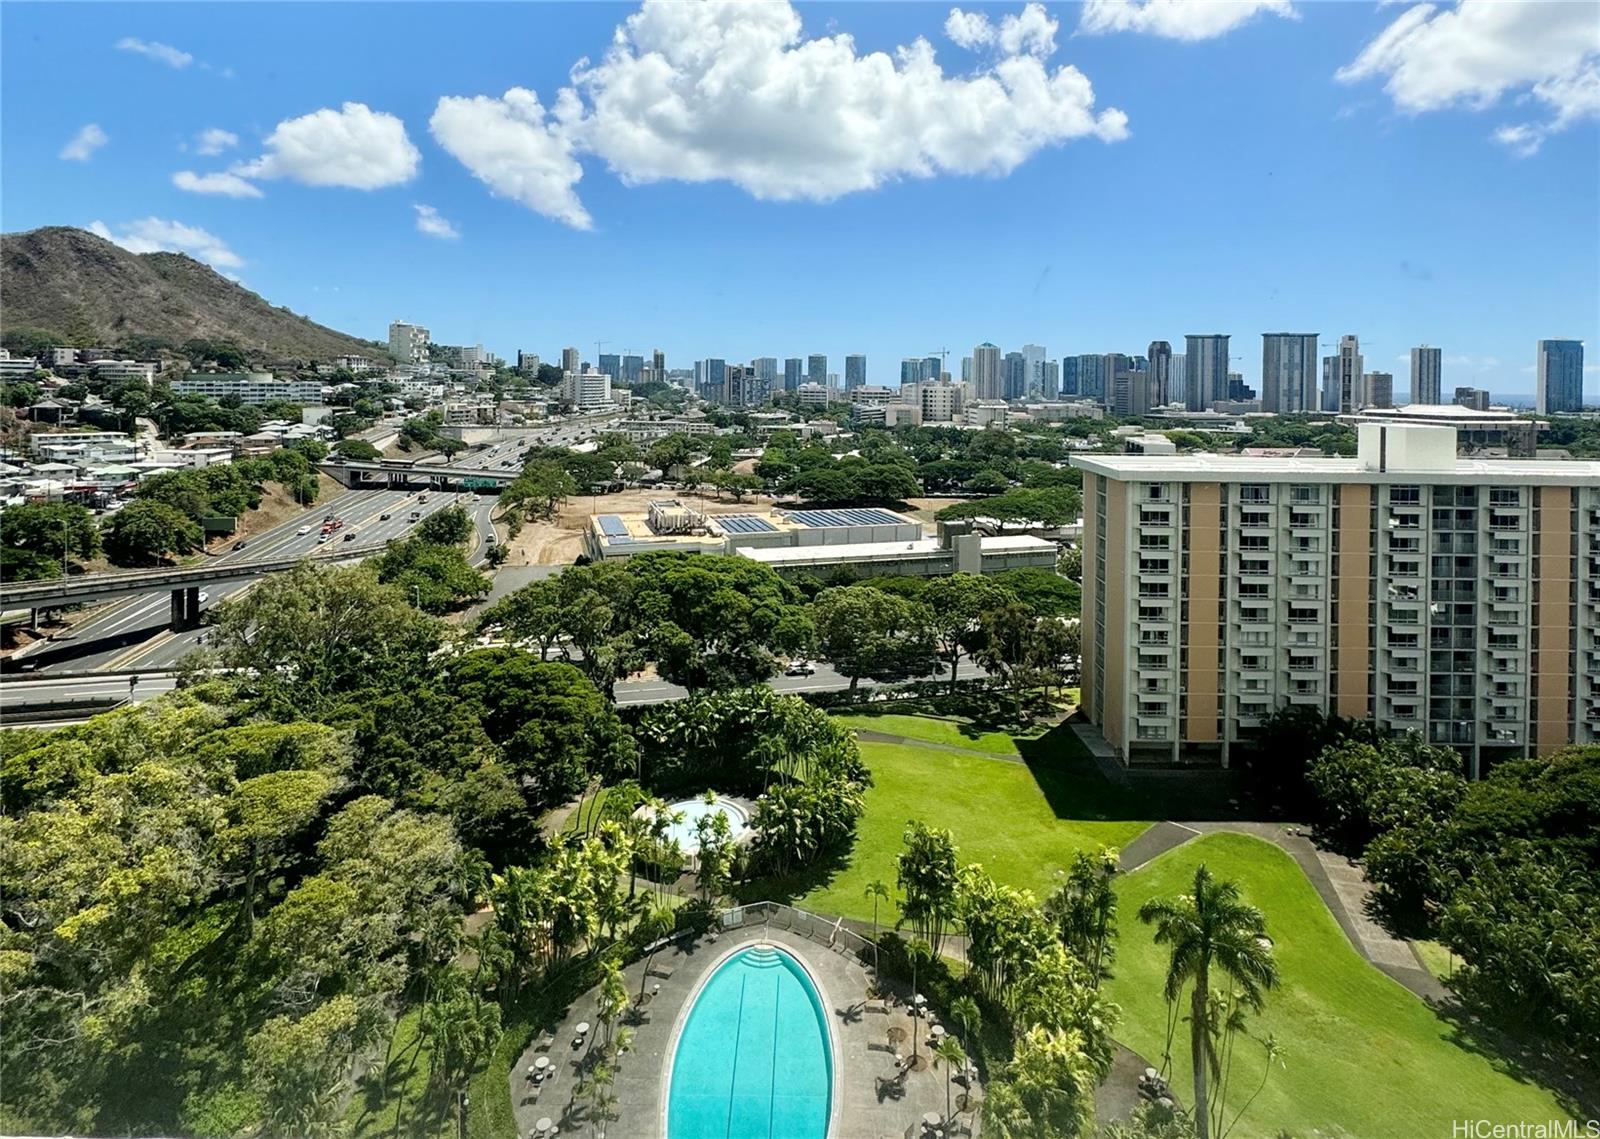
<point x="160" y="52"/>
<point x="1475" y="53"/>
<point x="89" y="139"/>
<point x="215" y="140"/>
<point x="151" y="235"/>
<point x="970" y="30"/>
<point x="1032" y="31"/>
<point x="734" y="92"/>
<point x="432" y="223"/>
<point x="1176" y="19"/>
<point x="354" y="146"/>
<point x="511" y="146"/>
<point x="218" y="182"/>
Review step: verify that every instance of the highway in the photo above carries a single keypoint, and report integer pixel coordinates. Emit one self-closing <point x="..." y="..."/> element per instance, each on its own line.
<point x="44" y="689"/>
<point x="132" y="634"/>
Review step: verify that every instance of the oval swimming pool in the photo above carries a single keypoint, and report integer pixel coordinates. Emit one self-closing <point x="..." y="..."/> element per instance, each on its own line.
<point x="754" y="1059"/>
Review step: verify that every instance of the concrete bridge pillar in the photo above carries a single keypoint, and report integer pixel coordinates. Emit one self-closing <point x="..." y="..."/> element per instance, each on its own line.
<point x="185" y="608"/>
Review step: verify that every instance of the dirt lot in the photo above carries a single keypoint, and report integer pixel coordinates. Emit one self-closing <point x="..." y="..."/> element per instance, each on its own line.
<point x="560" y="541"/>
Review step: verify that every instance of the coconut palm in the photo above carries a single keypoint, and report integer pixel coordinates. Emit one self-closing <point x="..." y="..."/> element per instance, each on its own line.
<point x="1210" y="927"/>
<point x="878" y="891"/>
<point x="613" y="996"/>
<point x="955" y="1057"/>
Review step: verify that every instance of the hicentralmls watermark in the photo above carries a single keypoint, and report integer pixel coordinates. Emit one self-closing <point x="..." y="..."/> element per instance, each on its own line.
<point x="1549" y="1129"/>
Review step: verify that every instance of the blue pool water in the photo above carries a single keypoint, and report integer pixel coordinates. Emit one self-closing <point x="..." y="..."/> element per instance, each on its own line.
<point x="754" y="1060"/>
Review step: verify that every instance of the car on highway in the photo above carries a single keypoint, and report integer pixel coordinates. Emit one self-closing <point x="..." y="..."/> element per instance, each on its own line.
<point x="385" y="516"/>
<point x="800" y="668"/>
<point x="204" y="597"/>
<point x="239" y="545"/>
<point x="416" y="515"/>
<point x="327" y="518"/>
<point x="302" y="532"/>
<point x="321" y="538"/>
<point x="350" y="537"/>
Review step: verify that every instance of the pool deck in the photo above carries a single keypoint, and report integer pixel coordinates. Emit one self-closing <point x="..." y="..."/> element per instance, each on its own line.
<point x="870" y="1106"/>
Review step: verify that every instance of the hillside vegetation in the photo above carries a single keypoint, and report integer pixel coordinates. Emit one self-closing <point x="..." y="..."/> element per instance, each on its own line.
<point x="89" y="291"/>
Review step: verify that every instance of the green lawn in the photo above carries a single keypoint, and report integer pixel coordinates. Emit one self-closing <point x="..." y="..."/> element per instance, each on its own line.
<point x="1364" y="1056"/>
<point x="933" y="729"/>
<point x="1022" y="821"/>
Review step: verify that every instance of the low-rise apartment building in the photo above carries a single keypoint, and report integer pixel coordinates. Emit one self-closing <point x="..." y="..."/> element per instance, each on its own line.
<point x="1455" y="597"/>
<point x="249" y="387"/>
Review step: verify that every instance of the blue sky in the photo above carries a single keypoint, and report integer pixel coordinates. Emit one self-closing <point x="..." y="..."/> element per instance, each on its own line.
<point x="742" y="182"/>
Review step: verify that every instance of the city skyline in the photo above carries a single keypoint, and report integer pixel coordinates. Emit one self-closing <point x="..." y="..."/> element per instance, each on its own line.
<point x="205" y="149"/>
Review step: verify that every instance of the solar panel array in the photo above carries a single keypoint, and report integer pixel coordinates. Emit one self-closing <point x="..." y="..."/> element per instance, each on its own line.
<point x="867" y="516"/>
<point x="745" y="524"/>
<point x="612" y="526"/>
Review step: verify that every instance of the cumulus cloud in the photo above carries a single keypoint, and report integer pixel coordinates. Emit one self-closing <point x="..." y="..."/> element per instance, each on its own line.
<point x="89" y="139"/>
<point x="160" y="52"/>
<point x="214" y="141"/>
<point x="735" y="92"/>
<point x="219" y="182"/>
<point x="512" y="146"/>
<point x="354" y="146"/>
<point x="1479" y="51"/>
<point x="970" y="30"/>
<point x="1176" y="19"/>
<point x="432" y="223"/>
<point x="152" y="235"/>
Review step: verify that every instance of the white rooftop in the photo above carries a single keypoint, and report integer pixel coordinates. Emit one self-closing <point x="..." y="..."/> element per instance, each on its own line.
<point x="1205" y="466"/>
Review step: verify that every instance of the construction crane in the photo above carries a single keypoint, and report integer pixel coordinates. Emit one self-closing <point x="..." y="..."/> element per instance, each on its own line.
<point x="944" y="355"/>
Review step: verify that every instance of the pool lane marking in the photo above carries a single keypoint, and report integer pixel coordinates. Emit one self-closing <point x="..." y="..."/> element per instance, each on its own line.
<point x="733" y="1072"/>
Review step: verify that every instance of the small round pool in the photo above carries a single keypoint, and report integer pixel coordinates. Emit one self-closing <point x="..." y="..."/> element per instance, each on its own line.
<point x="685" y="831"/>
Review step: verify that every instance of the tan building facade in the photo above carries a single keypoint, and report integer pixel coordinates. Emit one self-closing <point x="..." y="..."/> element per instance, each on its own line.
<point x="1459" y="598"/>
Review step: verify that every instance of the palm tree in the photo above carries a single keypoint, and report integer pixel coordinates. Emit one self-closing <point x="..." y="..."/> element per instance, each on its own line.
<point x="1210" y="927"/>
<point x="950" y="1051"/>
<point x="657" y="921"/>
<point x="918" y="952"/>
<point x="878" y="891"/>
<point x="964" y="1011"/>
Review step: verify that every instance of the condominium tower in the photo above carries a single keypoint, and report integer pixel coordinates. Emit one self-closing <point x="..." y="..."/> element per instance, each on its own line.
<point x="1288" y="372"/>
<point x="408" y="343"/>
<point x="817" y="369"/>
<point x="1455" y="597"/>
<point x="1560" y="375"/>
<point x="1160" y="354"/>
<point x="855" y="372"/>
<point x="986" y="380"/>
<point x="1341" y="378"/>
<point x="1206" y="370"/>
<point x="1426" y="374"/>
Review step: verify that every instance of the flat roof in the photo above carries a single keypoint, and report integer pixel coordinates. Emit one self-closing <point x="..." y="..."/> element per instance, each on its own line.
<point x="743" y="524"/>
<point x="863" y="516"/>
<point x="1453" y="412"/>
<point x="846" y="551"/>
<point x="1208" y="467"/>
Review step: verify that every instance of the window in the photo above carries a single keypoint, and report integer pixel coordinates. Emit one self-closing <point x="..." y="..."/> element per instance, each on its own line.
<point x="1305" y="495"/>
<point x="1257" y="518"/>
<point x="1405" y="495"/>
<point x="1255" y="492"/>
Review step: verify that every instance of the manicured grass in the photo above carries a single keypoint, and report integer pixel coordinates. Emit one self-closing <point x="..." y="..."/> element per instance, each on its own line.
<point x="934" y="729"/>
<point x="1363" y="1057"/>
<point x="1438" y="960"/>
<point x="1022" y="821"/>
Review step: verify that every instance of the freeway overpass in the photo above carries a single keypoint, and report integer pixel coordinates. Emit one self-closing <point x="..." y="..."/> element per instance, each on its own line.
<point x="387" y="474"/>
<point x="183" y="582"/>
